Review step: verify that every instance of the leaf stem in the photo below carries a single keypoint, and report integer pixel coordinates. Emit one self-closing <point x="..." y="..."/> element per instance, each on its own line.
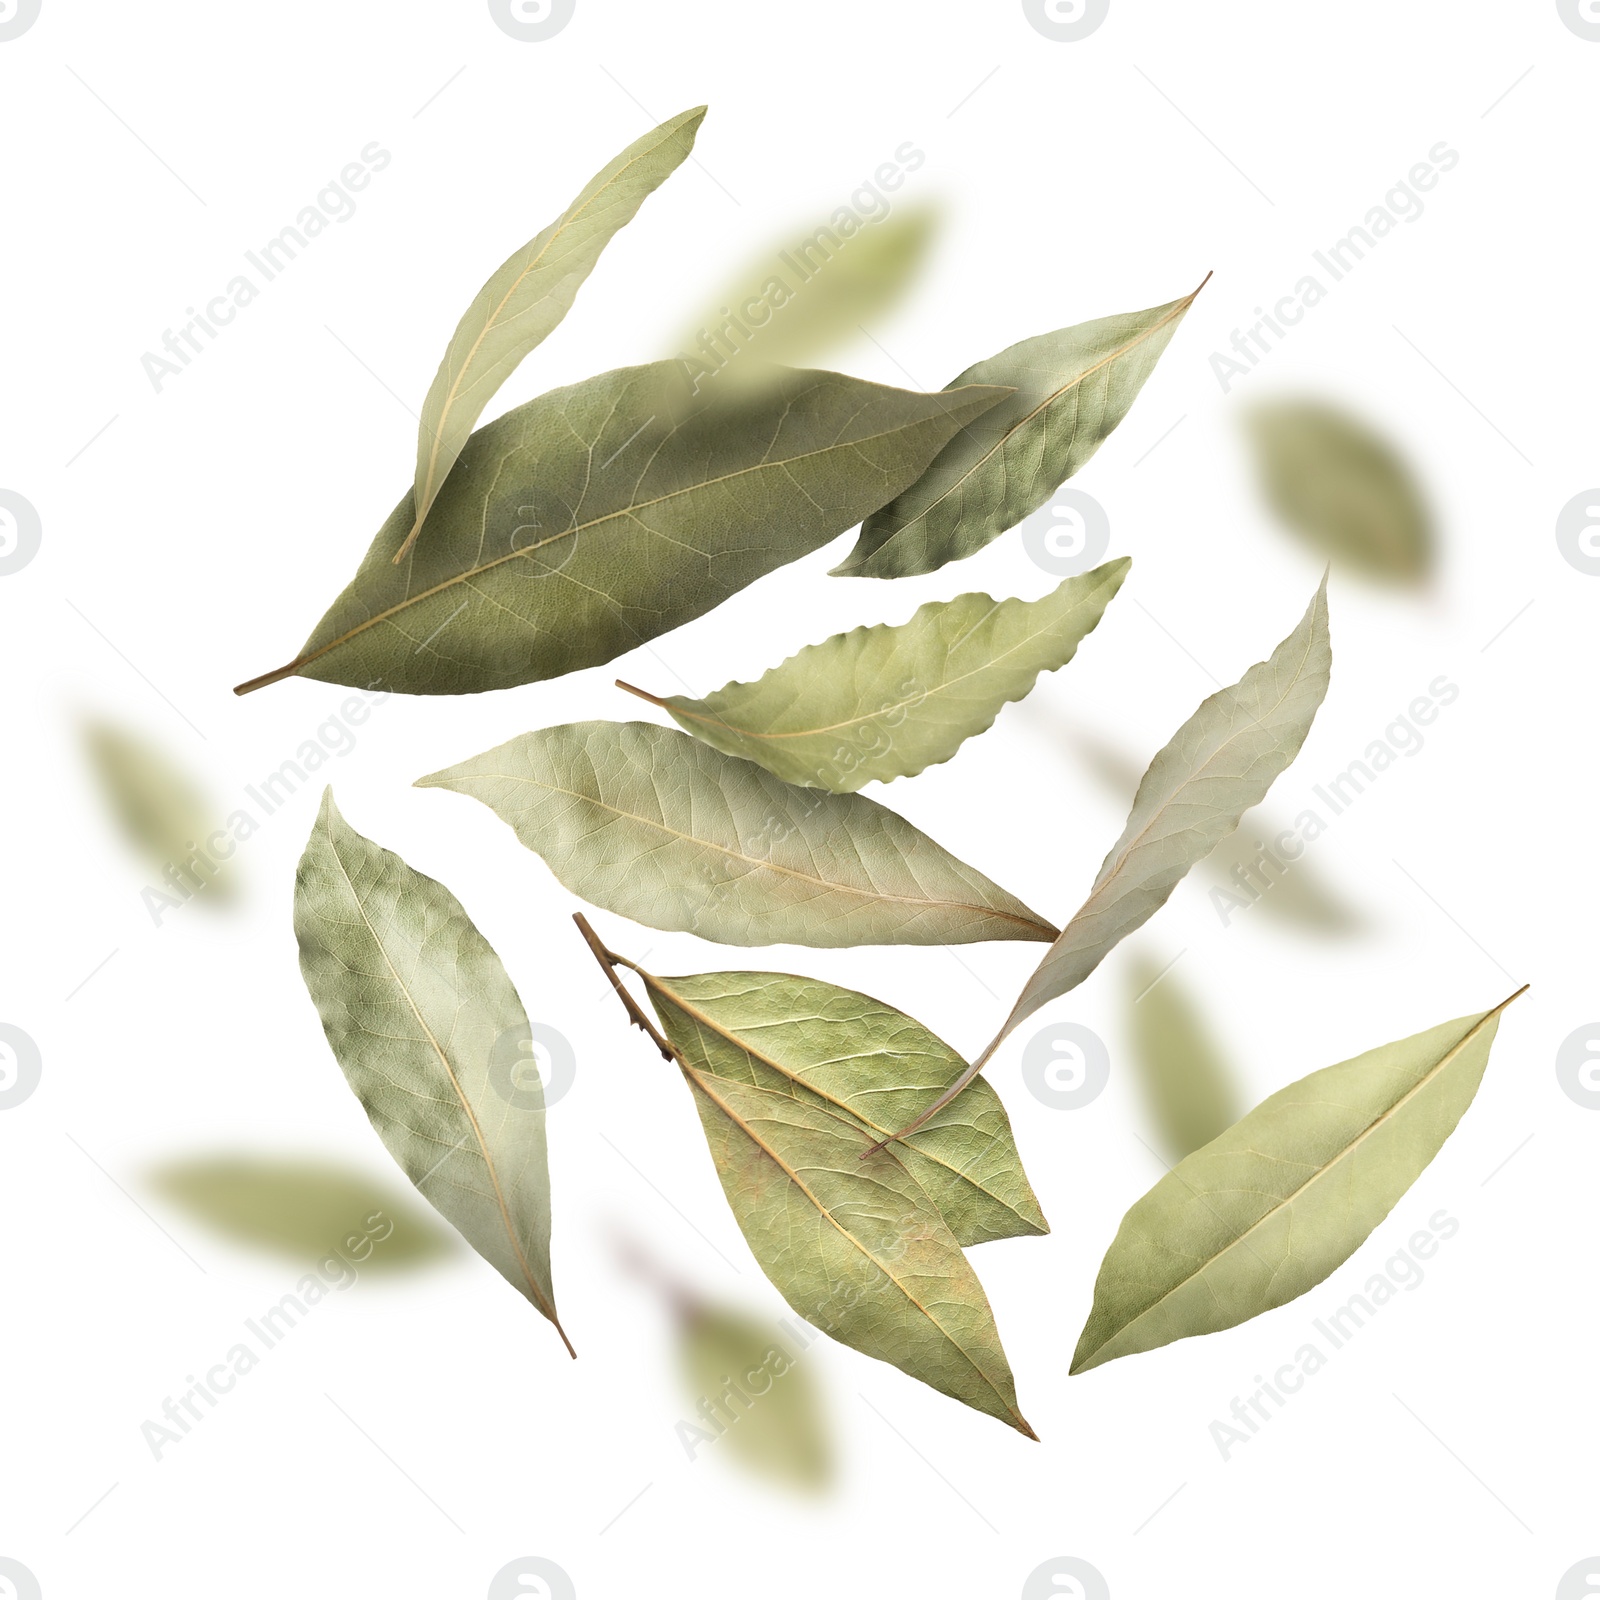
<point x="609" y="961"/>
<point x="642" y="694"/>
<point x="275" y="676"/>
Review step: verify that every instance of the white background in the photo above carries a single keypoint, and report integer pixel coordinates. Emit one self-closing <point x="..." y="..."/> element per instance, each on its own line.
<point x="203" y="531"/>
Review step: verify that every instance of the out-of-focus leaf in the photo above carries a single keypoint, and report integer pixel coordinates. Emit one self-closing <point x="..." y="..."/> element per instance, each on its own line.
<point x="304" y="1209"/>
<point x="654" y="825"/>
<point x="1188" y="1087"/>
<point x="810" y="294"/>
<point x="528" y="295"/>
<point x="1215" y="768"/>
<point x="885" y="702"/>
<point x="422" y="1018"/>
<point x="595" y="517"/>
<point x="1270" y="1208"/>
<point x="759" y="1392"/>
<point x="872" y="1065"/>
<point x="160" y="809"/>
<point x="1072" y="387"/>
<point x="1343" y="488"/>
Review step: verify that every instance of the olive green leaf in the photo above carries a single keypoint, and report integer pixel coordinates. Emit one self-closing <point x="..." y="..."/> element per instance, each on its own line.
<point x="810" y="294"/>
<point x="1072" y="387"/>
<point x="305" y="1209"/>
<point x="1270" y="1208"/>
<point x="1188" y="1086"/>
<point x="595" y="517"/>
<point x="160" y="809"/>
<point x="748" y="1375"/>
<point x="426" y="1026"/>
<point x="527" y="296"/>
<point x="885" y="702"/>
<point x="869" y="1064"/>
<point x="1220" y="762"/>
<point x="654" y="825"/>
<point x="1343" y="488"/>
<point x="857" y="1249"/>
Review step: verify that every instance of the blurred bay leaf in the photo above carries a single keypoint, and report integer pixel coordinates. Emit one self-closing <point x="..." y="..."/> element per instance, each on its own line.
<point x="1072" y="387"/>
<point x="885" y="702"/>
<point x="595" y="517"/>
<point x="808" y="295"/>
<point x="1343" y="488"/>
<point x="869" y="1064"/>
<point x="423" y="1020"/>
<point x="528" y="295"/>
<point x="1218" y="765"/>
<point x="1271" y="1207"/>
<point x="301" y="1208"/>
<point x="161" y="810"/>
<point x="654" y="825"/>
<point x="1188" y="1086"/>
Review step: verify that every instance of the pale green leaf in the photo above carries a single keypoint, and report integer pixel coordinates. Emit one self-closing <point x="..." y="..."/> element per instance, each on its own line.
<point x="1072" y="387"/>
<point x="595" y="517"/>
<point x="1188" y="1086"/>
<point x="1218" y="764"/>
<point x="749" y="1380"/>
<point x="424" y="1022"/>
<point x="872" y="1065"/>
<point x="1270" y="1208"/>
<point x="529" y="294"/>
<point x="885" y="702"/>
<point x="1343" y="488"/>
<point x="654" y="825"/>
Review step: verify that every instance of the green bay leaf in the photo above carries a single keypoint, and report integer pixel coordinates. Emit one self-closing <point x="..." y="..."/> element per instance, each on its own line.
<point x="885" y="702"/>
<point x="528" y="295"/>
<point x="1275" y="1204"/>
<point x="426" y="1026"/>
<point x="1072" y="387"/>
<point x="656" y="826"/>
<point x="598" y="516"/>
<point x="868" y="1063"/>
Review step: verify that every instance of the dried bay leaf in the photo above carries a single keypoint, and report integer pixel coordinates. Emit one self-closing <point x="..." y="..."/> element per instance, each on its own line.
<point x="598" y="516"/>
<point x="872" y="1065"/>
<point x="1218" y="765"/>
<point x="656" y="826"/>
<point x="528" y="295"/>
<point x="1343" y="488"/>
<point x="886" y="702"/>
<point x="858" y="1250"/>
<point x="1072" y="387"/>
<point x="422" y="1017"/>
<point x="1275" y="1204"/>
